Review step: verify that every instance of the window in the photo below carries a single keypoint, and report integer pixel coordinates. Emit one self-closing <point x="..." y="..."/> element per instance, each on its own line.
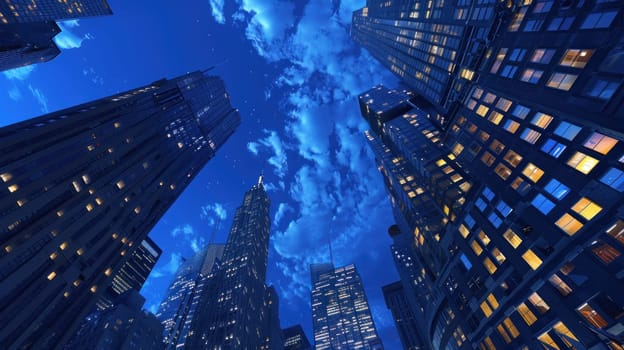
<point x="565" y="334"/>
<point x="511" y="126"/>
<point x="586" y="208"/>
<point x="511" y="327"/>
<point x="482" y="110"/>
<point x="484" y="136"/>
<point x="499" y="59"/>
<point x="569" y="224"/>
<point x="592" y="316"/>
<point x="543" y="6"/>
<point x="476" y="248"/>
<point x="489" y="265"/>
<point x="503" y="104"/>
<point x="557" y="189"/>
<point x="531" y="75"/>
<point x="561" y="23"/>
<point x="512" y="238"/>
<point x="527" y="315"/>
<point x="517" y="55"/>
<point x="553" y="148"/>
<point x="503" y="208"/>
<point x="463" y="230"/>
<point x="605" y="252"/>
<point x="531" y="136"/>
<point x="576" y="58"/>
<point x="543" y="204"/>
<point x="489" y="98"/>
<point x="520" y="111"/>
<point x="548" y="341"/>
<point x="567" y="130"/>
<point x="542" y="56"/>
<point x="563" y="288"/>
<point x="502" y="171"/>
<point x="503" y="333"/>
<point x="509" y="71"/>
<point x="520" y="185"/>
<point x="617" y="231"/>
<point x="532" y="172"/>
<point x="487" y="158"/>
<point x="513" y="158"/>
<point x="495" y="117"/>
<point x="598" y="20"/>
<point x="491" y="299"/>
<point x="541" y="120"/>
<point x="533" y="25"/>
<point x="582" y="162"/>
<point x="539" y="303"/>
<point x="531" y="259"/>
<point x="600" y="143"/>
<point x="485" y="239"/>
<point x="495" y="220"/>
<point x="517" y="19"/>
<point x="498" y="256"/>
<point x="120" y="184"/>
<point x="480" y="204"/>
<point x="496" y="146"/>
<point x="485" y="308"/>
<point x="561" y="81"/>
<point x="601" y="88"/>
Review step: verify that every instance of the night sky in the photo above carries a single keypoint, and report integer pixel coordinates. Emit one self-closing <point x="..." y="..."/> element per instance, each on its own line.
<point x="294" y="73"/>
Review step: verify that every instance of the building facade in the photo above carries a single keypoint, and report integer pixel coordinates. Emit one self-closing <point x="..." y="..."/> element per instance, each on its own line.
<point x="525" y="188"/>
<point x="234" y="310"/>
<point x="82" y="187"/>
<point x="341" y="317"/>
<point x="404" y="318"/>
<point x="295" y="338"/>
<point x="178" y="308"/>
<point x="26" y="11"/>
<point x="23" y="44"/>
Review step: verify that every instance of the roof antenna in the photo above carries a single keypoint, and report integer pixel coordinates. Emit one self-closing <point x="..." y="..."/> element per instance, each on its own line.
<point x="260" y="178"/>
<point x="331" y="254"/>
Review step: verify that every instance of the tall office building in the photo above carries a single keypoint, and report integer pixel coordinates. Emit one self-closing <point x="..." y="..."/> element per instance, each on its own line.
<point x="341" y="318"/>
<point x="178" y="308"/>
<point x="28" y="11"/>
<point x="295" y="338"/>
<point x="404" y="318"/>
<point x="233" y="312"/>
<point x="528" y="181"/>
<point x="82" y="187"/>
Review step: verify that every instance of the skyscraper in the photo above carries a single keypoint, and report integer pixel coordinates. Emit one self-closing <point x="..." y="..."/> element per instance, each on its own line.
<point x="404" y="318"/>
<point x="26" y="11"/>
<point x="83" y="186"/>
<point x="525" y="186"/>
<point x="233" y="312"/>
<point x="341" y="318"/>
<point x="295" y="338"/>
<point x="178" y="308"/>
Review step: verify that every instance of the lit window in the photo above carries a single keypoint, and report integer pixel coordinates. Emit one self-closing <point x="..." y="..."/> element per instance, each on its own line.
<point x="484" y="136"/>
<point x="511" y="126"/>
<point x="509" y="71"/>
<point x="592" y="316"/>
<point x="477" y="92"/>
<point x="582" y="162"/>
<point x="532" y="259"/>
<point x="511" y="327"/>
<point x="487" y="158"/>
<point x="120" y="184"/>
<point x="604" y="252"/>
<point x="108" y="271"/>
<point x="495" y="117"/>
<point x="503" y="104"/>
<point x="576" y="58"/>
<point x="531" y="75"/>
<point x="503" y="333"/>
<point x="520" y="111"/>
<point x="557" y="189"/>
<point x="531" y="136"/>
<point x="513" y="158"/>
<point x="497" y="146"/>
<point x="601" y="88"/>
<point x="600" y="143"/>
<point x="561" y="23"/>
<point x="547" y="341"/>
<point x="496" y="65"/>
<point x="561" y="81"/>
<point x="553" y="148"/>
<point x="598" y="20"/>
<point x="489" y="265"/>
<point x="63" y="245"/>
<point x="51" y="275"/>
<point x="53" y="255"/>
<point x="457" y="150"/>
<point x="563" y="288"/>
<point x="541" y="120"/>
<point x="476" y="248"/>
<point x="89" y="206"/>
<point x="539" y="303"/>
<point x="482" y="110"/>
<point x="543" y="204"/>
<point x="463" y="230"/>
<point x="485" y="239"/>
<point x="527" y="315"/>
<point x="517" y="19"/>
<point x="542" y="56"/>
<point x="116" y="125"/>
<point x="492" y="301"/>
<point x="137" y="210"/>
<point x="498" y="256"/>
<point x="567" y="130"/>
<point x="502" y="171"/>
<point x="532" y="172"/>
<point x="13" y="188"/>
<point x="512" y="238"/>
<point x="80" y="251"/>
<point x="77" y="186"/>
<point x="569" y="224"/>
<point x="6" y="177"/>
<point x="617" y="231"/>
<point x="90" y="147"/>
<point x="485" y="308"/>
<point x="86" y="179"/>
<point x="565" y="334"/>
<point x="93" y="289"/>
<point x="586" y="208"/>
<point x="467" y="74"/>
<point x="520" y="185"/>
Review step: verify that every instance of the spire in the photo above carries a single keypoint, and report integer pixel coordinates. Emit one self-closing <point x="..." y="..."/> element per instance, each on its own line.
<point x="260" y="178"/>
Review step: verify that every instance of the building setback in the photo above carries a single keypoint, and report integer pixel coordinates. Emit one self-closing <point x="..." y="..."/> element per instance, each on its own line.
<point x="82" y="187"/>
<point x="178" y="308"/>
<point x="236" y="309"/>
<point x="510" y="223"/>
<point x="295" y="338"/>
<point x="341" y="317"/>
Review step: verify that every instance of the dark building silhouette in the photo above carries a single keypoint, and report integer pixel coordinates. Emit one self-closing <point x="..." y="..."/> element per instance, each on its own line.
<point x="25" y="11"/>
<point x="295" y="338"/>
<point x="23" y="44"/>
<point x="82" y="187"/>
<point x="341" y="317"/>
<point x="177" y="310"/>
<point x="236" y="309"/>
<point x="404" y="318"/>
<point x="124" y="326"/>
<point x="509" y="214"/>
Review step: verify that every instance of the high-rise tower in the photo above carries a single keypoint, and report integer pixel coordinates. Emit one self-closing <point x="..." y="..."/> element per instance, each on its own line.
<point x="234" y="312"/>
<point x="81" y="189"/>
<point x="341" y="317"/>
<point x="26" y="11"/>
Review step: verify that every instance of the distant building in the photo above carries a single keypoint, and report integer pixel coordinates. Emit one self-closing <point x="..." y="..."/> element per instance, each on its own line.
<point x="404" y="318"/>
<point x="23" y="44"/>
<point x="178" y="308"/>
<point x="341" y="317"/>
<point x="509" y="215"/>
<point x="236" y="309"/>
<point x="81" y="189"/>
<point x="25" y="11"/>
<point x="295" y="339"/>
<point x="124" y="326"/>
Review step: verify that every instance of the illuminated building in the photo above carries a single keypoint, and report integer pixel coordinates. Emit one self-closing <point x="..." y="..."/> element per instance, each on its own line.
<point x="528" y="180"/>
<point x="404" y="319"/>
<point x="177" y="309"/>
<point x="23" y="44"/>
<point x="28" y="11"/>
<point x="295" y="338"/>
<point x="341" y="318"/>
<point x="236" y="309"/>
<point x="81" y="189"/>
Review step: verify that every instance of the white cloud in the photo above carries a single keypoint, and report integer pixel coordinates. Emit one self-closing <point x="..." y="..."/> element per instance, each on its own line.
<point x="211" y="212"/>
<point x="272" y="143"/>
<point x="253" y="147"/>
<point x="186" y="231"/>
<point x="282" y="210"/>
<point x="40" y="97"/>
<point x="20" y="73"/>
<point x="15" y="94"/>
<point x="217" y="10"/>
<point x="67" y="38"/>
<point x="170" y="268"/>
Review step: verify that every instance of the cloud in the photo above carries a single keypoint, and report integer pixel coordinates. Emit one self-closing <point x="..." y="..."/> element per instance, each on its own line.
<point x="170" y="268"/>
<point x="187" y="234"/>
<point x="20" y="73"/>
<point x="217" y="10"/>
<point x="213" y="211"/>
<point x="183" y="230"/>
<point x="15" y="94"/>
<point x="40" y="97"/>
<point x="68" y="38"/>
<point x="282" y="210"/>
<point x="272" y="143"/>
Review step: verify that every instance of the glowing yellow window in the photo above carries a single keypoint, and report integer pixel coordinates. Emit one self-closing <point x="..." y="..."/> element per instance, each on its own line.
<point x="115" y="235"/>
<point x="120" y="184"/>
<point x="476" y="248"/>
<point x="561" y="328"/>
<point x="539" y="303"/>
<point x="487" y="311"/>
<point x="500" y="258"/>
<point x="489" y="265"/>
<point x="600" y="143"/>
<point x="547" y="340"/>
<point x="582" y="162"/>
<point x="89" y="206"/>
<point x="108" y="271"/>
<point x="53" y="255"/>
<point x="137" y="210"/>
<point x="98" y="201"/>
<point x="495" y="117"/>
<point x="63" y="245"/>
<point x="586" y="208"/>
<point x="6" y="177"/>
<point x="542" y="120"/>
<point x="532" y="172"/>
<point x="485" y="239"/>
<point x="116" y="125"/>
<point x="527" y="315"/>
<point x="86" y="179"/>
<point x="503" y="333"/>
<point x="13" y="188"/>
<point x="482" y="110"/>
<point x="463" y="230"/>
<point x="531" y="259"/>
<point x="512" y="238"/>
<point x="511" y="327"/>
<point x="411" y="194"/>
<point x="76" y="185"/>
<point x="569" y="224"/>
<point x="492" y="300"/>
<point x="93" y="289"/>
<point x="80" y="251"/>
<point x="457" y="150"/>
<point x="51" y="275"/>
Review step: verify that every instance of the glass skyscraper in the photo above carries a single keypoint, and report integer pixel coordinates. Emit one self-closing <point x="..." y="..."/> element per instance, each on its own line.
<point x="295" y="338"/>
<point x="81" y="189"/>
<point x="509" y="215"/>
<point x="28" y="11"/>
<point x="236" y="309"/>
<point x="341" y="317"/>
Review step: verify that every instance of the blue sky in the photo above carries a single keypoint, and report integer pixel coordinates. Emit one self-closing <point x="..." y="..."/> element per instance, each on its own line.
<point x="294" y="73"/>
